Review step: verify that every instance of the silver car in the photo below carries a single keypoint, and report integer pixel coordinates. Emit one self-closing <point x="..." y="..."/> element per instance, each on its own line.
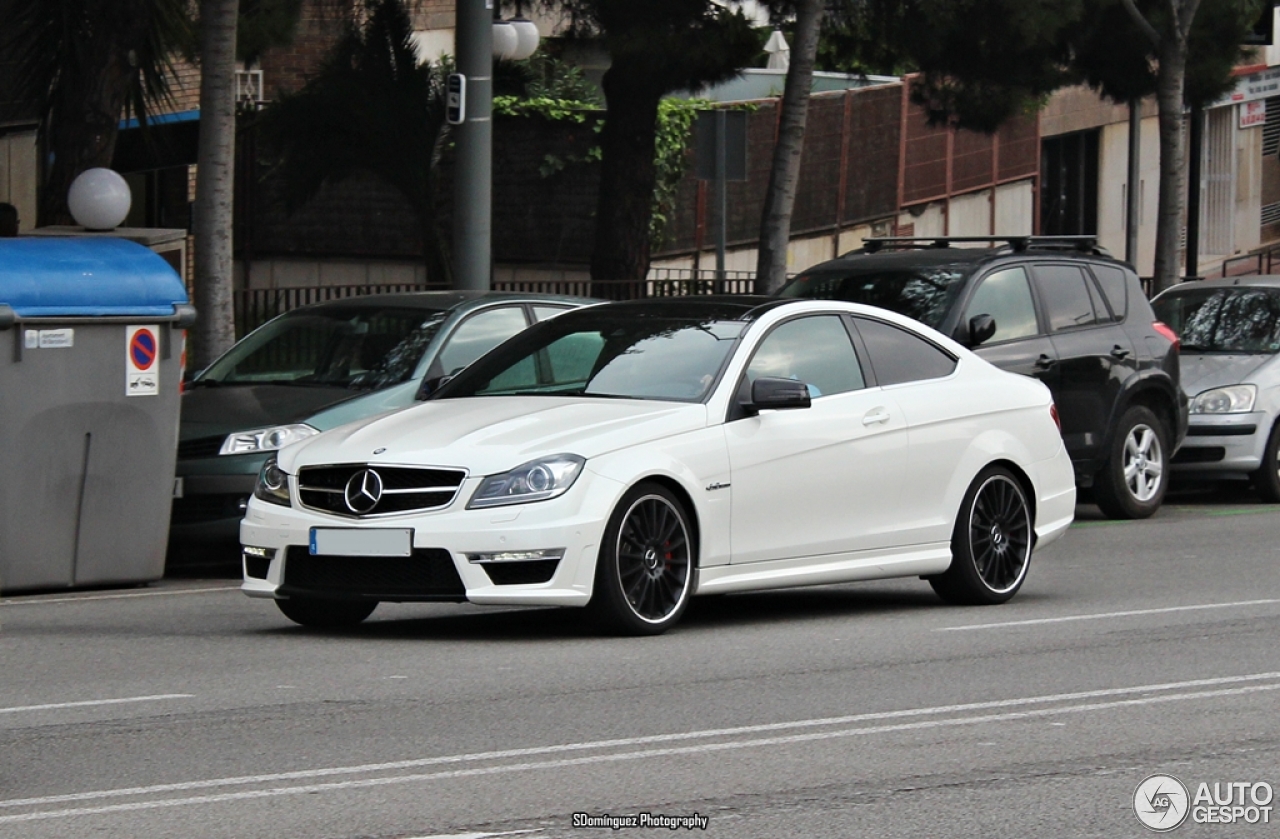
<point x="1230" y="357"/>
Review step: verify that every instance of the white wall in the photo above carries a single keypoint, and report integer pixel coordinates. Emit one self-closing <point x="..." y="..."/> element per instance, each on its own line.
<point x="1113" y="176"/>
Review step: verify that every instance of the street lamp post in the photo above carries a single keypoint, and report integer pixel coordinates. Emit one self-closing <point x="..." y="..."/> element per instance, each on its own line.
<point x="473" y="187"/>
<point x="473" y="117"/>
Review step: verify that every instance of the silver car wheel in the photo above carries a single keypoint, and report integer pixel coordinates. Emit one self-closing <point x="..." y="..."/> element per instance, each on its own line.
<point x="1143" y="462"/>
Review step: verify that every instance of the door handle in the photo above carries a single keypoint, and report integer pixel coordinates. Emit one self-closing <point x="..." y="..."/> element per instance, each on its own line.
<point x="875" y="415"/>
<point x="1118" y="352"/>
<point x="1044" y="362"/>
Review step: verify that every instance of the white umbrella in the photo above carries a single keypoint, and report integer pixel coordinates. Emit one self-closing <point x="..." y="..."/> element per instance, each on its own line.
<point x="779" y="51"/>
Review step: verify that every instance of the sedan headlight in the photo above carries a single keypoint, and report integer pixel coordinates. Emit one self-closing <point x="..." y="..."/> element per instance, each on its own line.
<point x="1235" y="399"/>
<point x="273" y="484"/>
<point x="536" y="480"/>
<point x="265" y="439"/>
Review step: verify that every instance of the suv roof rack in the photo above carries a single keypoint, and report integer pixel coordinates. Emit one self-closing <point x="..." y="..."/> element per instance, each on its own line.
<point x="1017" y="244"/>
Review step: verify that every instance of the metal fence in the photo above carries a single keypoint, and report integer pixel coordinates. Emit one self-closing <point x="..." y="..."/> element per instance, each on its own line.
<point x="256" y="306"/>
<point x="1251" y="263"/>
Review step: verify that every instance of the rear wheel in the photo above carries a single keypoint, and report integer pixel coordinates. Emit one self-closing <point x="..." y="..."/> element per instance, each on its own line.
<point x="991" y="543"/>
<point x="644" y="573"/>
<point x="1266" y="480"/>
<point x="326" y="614"/>
<point x="1133" y="480"/>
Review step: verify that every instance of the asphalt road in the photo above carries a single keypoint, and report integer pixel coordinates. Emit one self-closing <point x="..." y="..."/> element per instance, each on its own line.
<point x="187" y="710"/>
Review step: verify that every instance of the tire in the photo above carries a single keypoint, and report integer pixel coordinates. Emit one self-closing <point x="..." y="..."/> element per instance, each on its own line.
<point x="1266" y="480"/>
<point x="1135" y="475"/>
<point x="644" y="572"/>
<point x="326" y="614"/>
<point x="991" y="543"/>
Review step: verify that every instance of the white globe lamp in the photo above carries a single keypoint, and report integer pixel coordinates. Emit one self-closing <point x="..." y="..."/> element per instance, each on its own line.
<point x="505" y="40"/>
<point x="527" y="38"/>
<point x="99" y="199"/>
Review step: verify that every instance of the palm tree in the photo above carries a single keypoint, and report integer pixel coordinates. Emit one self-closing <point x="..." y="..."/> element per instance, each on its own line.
<point x="83" y="64"/>
<point x="374" y="108"/>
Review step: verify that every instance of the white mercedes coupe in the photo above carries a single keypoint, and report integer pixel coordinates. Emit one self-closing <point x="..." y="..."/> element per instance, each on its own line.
<point x="628" y="456"/>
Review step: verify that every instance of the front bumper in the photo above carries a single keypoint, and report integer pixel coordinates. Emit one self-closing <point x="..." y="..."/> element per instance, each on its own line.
<point x="573" y="523"/>
<point x="1223" y="445"/>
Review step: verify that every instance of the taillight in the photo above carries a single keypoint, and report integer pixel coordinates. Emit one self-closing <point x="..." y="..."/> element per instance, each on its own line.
<point x="1167" y="331"/>
<point x="1057" y="420"/>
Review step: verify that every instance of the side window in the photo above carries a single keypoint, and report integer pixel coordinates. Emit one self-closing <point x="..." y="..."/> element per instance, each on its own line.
<point x="1115" y="287"/>
<point x="815" y="350"/>
<point x="541" y="313"/>
<point x="572" y="357"/>
<point x="1006" y="296"/>
<point x="1066" y="297"/>
<point x="900" y="356"/>
<point x="478" y="334"/>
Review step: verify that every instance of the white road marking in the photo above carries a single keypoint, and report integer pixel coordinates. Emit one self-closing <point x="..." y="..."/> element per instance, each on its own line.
<point x="52" y="706"/>
<point x="1187" y="688"/>
<point x="475" y="835"/>
<point x="1103" y="615"/>
<point x="38" y="600"/>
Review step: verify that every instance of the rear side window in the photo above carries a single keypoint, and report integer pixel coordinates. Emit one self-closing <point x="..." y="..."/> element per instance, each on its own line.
<point x="1115" y="287"/>
<point x="1066" y="298"/>
<point x="900" y="356"/>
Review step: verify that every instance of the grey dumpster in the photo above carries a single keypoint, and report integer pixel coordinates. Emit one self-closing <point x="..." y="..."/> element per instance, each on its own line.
<point x="91" y="339"/>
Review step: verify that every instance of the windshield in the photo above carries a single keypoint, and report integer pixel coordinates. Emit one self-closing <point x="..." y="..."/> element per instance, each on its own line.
<point x="1226" y="320"/>
<point x="357" y="347"/>
<point x="924" y="293"/>
<point x="605" y="355"/>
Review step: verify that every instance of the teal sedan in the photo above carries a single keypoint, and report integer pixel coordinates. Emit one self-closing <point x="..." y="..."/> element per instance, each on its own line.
<point x="315" y="368"/>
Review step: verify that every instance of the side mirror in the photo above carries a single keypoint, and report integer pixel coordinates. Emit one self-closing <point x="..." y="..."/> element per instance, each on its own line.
<point x="778" y="394"/>
<point x="981" y="328"/>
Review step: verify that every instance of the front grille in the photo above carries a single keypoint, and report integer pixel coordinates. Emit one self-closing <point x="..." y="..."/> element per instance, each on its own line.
<point x="399" y="489"/>
<point x="429" y="574"/>
<point x="200" y="509"/>
<point x="1200" y="454"/>
<point x="200" y="447"/>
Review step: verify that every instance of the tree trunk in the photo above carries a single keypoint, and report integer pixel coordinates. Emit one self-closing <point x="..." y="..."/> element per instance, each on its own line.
<point x="780" y="200"/>
<point x="1169" y="94"/>
<point x="85" y="119"/>
<point x="627" y="177"/>
<point x="215" y="181"/>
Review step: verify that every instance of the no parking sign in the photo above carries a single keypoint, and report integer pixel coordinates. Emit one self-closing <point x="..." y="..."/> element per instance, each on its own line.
<point x="142" y="364"/>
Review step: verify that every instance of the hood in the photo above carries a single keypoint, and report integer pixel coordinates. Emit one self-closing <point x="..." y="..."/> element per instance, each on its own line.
<point x="492" y="434"/>
<point x="219" y="410"/>
<point x="1201" y="372"/>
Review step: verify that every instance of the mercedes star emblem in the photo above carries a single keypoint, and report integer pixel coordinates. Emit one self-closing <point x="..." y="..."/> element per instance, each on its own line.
<point x="363" y="491"/>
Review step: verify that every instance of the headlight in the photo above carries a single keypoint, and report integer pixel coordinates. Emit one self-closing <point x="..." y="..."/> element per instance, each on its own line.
<point x="536" y="480"/>
<point x="273" y="483"/>
<point x="1236" y="399"/>
<point x="265" y="439"/>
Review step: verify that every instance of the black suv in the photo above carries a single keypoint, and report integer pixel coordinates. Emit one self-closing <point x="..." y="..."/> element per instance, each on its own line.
<point x="1057" y="308"/>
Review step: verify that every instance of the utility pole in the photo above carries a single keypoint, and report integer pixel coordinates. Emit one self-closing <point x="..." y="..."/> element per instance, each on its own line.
<point x="473" y="187"/>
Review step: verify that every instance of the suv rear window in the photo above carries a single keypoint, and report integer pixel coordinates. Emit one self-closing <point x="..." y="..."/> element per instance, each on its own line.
<point x="1115" y="287"/>
<point x="925" y="293"/>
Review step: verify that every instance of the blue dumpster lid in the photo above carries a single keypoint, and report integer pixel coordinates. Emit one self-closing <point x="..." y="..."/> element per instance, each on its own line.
<point x="90" y="277"/>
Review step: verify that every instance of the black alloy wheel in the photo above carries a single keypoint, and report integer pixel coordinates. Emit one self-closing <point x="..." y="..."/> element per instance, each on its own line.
<point x="991" y="543"/>
<point x="318" y="613"/>
<point x="644" y="573"/>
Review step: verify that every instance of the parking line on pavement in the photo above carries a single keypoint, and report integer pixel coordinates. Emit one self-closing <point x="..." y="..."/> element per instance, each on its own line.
<point x="1005" y="710"/>
<point x="36" y="600"/>
<point x="699" y="749"/>
<point x="1102" y="615"/>
<point x="54" y="706"/>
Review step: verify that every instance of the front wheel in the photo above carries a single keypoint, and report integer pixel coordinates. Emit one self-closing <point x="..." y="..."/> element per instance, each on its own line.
<point x="1132" y="482"/>
<point x="1266" y="480"/>
<point x="991" y="543"/>
<point x="644" y="573"/>
<point x="326" y="614"/>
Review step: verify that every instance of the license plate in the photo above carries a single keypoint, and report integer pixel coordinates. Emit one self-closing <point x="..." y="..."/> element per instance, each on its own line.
<point x="338" y="541"/>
